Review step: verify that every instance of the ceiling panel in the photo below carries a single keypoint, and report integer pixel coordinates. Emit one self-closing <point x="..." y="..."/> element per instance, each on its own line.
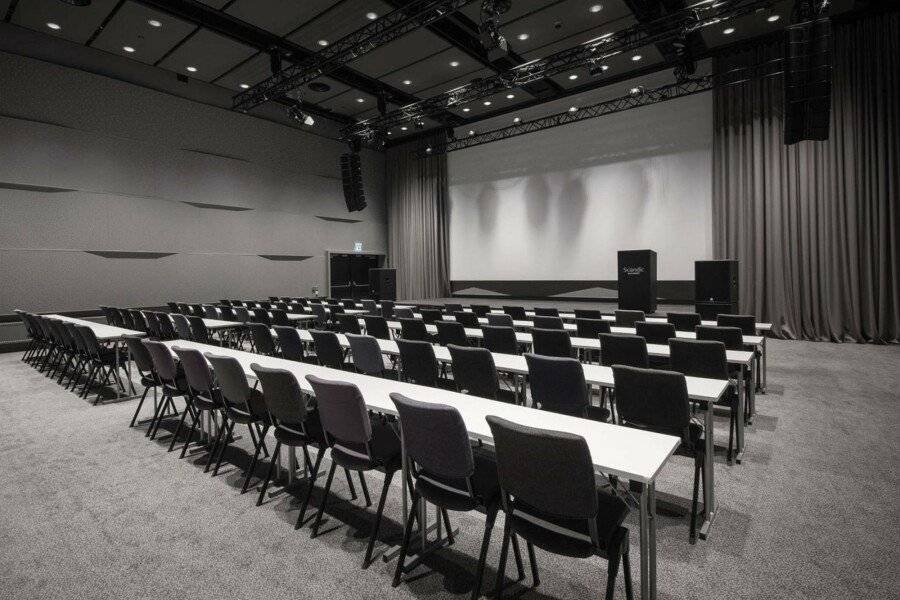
<point x="617" y="64"/>
<point x="516" y="11"/>
<point x="130" y="27"/>
<point x="331" y="25"/>
<point x="747" y="26"/>
<point x="565" y="24"/>
<point x="77" y="23"/>
<point x="395" y="56"/>
<point x="348" y="102"/>
<point x="217" y="4"/>
<point x="277" y="16"/>
<point x="210" y="53"/>
<point x="462" y="79"/>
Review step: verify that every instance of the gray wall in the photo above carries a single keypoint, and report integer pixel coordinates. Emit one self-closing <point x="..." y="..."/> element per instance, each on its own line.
<point x="89" y="163"/>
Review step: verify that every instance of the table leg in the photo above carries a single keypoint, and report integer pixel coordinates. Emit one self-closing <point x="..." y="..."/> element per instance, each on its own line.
<point x="709" y="488"/>
<point x="648" y="541"/>
<point x="746" y="375"/>
<point x="765" y="351"/>
<point x="292" y="465"/>
<point x="128" y="369"/>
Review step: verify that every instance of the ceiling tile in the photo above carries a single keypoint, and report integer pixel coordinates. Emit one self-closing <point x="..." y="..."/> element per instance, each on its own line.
<point x="348" y="103"/>
<point x="564" y="25"/>
<point x="77" y="23"/>
<point x="211" y="53"/>
<point x="277" y="16"/>
<point x="335" y="23"/>
<point x="130" y="27"/>
<point x="516" y="11"/>
<point x="393" y="57"/>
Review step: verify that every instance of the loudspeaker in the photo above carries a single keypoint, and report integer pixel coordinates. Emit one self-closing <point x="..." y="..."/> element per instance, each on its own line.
<point x="716" y="287"/>
<point x="383" y="284"/>
<point x="807" y="81"/>
<point x="637" y="280"/>
<point x="351" y="175"/>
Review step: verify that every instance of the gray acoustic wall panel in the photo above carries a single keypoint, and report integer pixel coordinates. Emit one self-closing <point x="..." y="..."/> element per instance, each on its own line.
<point x="115" y="194"/>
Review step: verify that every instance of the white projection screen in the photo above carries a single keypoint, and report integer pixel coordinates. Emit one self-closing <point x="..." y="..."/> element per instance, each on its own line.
<point x="560" y="203"/>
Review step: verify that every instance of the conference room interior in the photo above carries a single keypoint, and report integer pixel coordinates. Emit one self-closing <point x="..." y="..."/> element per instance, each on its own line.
<point x="539" y="299"/>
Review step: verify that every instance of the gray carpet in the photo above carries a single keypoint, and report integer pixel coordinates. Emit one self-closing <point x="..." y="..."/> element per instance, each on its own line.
<point x="91" y="509"/>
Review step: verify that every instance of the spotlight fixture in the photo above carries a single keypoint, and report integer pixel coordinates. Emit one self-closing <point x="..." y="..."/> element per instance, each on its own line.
<point x="516" y="120"/>
<point x="493" y="42"/>
<point x="773" y="18"/>
<point x="573" y="76"/>
<point x="636" y="57"/>
<point x="128" y="49"/>
<point x="454" y="63"/>
<point x="573" y="108"/>
<point x="245" y="86"/>
<point x="728" y="30"/>
<point x="295" y="111"/>
<point x="154" y="23"/>
<point x="54" y="26"/>
<point x="191" y="69"/>
<point x="522" y="37"/>
<point x="637" y="90"/>
<point x="597" y="69"/>
<point x="322" y="43"/>
<point x="371" y="16"/>
<point x="471" y="132"/>
<point x="596" y="8"/>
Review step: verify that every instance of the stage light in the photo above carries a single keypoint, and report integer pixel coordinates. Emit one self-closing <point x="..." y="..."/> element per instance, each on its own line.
<point x="154" y="23"/>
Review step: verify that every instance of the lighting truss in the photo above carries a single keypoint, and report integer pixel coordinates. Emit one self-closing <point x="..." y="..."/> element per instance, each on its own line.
<point x="395" y="24"/>
<point x="637" y="98"/>
<point x="669" y="27"/>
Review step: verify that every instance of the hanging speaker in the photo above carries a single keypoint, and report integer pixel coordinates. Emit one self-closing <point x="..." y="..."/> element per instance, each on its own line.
<point x="807" y="81"/>
<point x="351" y="176"/>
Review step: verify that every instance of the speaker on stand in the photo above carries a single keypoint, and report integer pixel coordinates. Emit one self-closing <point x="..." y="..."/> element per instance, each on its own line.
<point x="716" y="287"/>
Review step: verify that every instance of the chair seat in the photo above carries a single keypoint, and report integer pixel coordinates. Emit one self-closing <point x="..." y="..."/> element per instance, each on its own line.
<point x="293" y="437"/>
<point x="385" y="450"/>
<point x="148" y="381"/>
<point x="258" y="412"/>
<point x="596" y="413"/>
<point x="485" y="485"/>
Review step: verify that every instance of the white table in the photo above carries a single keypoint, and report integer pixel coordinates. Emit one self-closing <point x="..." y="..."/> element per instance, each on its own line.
<point x="623" y="451"/>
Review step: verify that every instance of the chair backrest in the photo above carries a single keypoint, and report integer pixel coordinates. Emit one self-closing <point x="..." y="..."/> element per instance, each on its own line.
<point x="290" y="343"/>
<point x="227" y="313"/>
<point x="319" y="311"/>
<point x="500" y="339"/>
<point x="587" y="313"/>
<point x="653" y="399"/>
<point x="140" y="321"/>
<point x="173" y="306"/>
<point x="466" y="319"/>
<point x="182" y="326"/>
<point x="348" y="303"/>
<point x="404" y="312"/>
<point x="627" y="318"/>
<point x="370" y="306"/>
<point x="349" y="324"/>
<point x="153" y="324"/>
<point x="683" y="321"/>
<point x="387" y="309"/>
<point x="557" y="384"/>
<point x="451" y="308"/>
<point x="284" y="400"/>
<point x="435" y="438"/>
<point x="196" y="370"/>
<point x="516" y="312"/>
<point x="377" y="327"/>
<point x="210" y="312"/>
<point x="279" y="317"/>
<point x="480" y="310"/>
<point x="139" y="353"/>
<point x="418" y="363"/>
<point x="654" y="333"/>
<point x="127" y="319"/>
<point x="366" y="353"/>
<point x="550" y="471"/>
<point x="261" y="315"/>
<point x="730" y="336"/>
<point x="451" y="332"/>
<point x="280" y="305"/>
<point x="551" y="342"/>
<point x="746" y="323"/>
<point x="241" y="314"/>
<point x="499" y="320"/>
<point x="232" y="381"/>
<point x="163" y="363"/>
<point x="698" y="358"/>
<point x="546" y="311"/>
<point x="623" y="349"/>
<point x="262" y="338"/>
<point x="590" y="328"/>
<point x="265" y="305"/>
<point x="474" y="371"/>
<point x="414" y="329"/>
<point x="342" y="411"/>
<point x="166" y="328"/>
<point x="548" y="322"/>
<point x="328" y="348"/>
<point x="198" y="330"/>
<point x="431" y="315"/>
<point x="196" y="310"/>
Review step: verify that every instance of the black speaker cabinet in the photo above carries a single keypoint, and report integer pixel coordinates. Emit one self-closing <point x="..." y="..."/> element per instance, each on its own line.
<point x="383" y="284"/>
<point x="716" y="287"/>
<point x="637" y="280"/>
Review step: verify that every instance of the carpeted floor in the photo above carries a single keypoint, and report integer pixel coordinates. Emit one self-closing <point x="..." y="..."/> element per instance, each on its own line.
<point x="91" y="509"/>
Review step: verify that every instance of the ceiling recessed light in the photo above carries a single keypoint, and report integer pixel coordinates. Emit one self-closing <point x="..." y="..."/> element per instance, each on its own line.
<point x="371" y="16"/>
<point x="573" y="76"/>
<point x="407" y="82"/>
<point x="487" y="102"/>
<point x="245" y="86"/>
<point x="322" y="42"/>
<point x="516" y="120"/>
<point x="390" y="133"/>
<point x="522" y="37"/>
<point x="573" y="108"/>
<point x="360" y="99"/>
<point x="154" y="23"/>
<point x="54" y="26"/>
<point x="404" y="128"/>
<point x="636" y="57"/>
<point x="510" y="96"/>
<point x="454" y="63"/>
<point x="596" y="8"/>
<point x="192" y="69"/>
<point x="128" y="49"/>
<point x="728" y="31"/>
<point x="773" y="18"/>
<point x="466" y="109"/>
<point x="471" y="132"/>
<point x="604" y="67"/>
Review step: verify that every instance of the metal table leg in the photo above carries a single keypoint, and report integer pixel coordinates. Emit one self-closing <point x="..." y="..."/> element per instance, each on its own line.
<point x="648" y="541"/>
<point x="746" y="375"/>
<point x="709" y="494"/>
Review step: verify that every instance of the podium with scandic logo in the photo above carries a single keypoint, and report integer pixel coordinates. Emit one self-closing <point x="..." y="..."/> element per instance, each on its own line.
<point x="637" y="280"/>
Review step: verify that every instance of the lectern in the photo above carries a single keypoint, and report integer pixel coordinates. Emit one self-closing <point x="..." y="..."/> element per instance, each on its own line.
<point x="637" y="280"/>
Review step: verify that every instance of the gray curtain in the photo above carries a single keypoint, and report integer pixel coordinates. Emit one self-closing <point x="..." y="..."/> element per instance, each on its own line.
<point x="417" y="207"/>
<point x="815" y="225"/>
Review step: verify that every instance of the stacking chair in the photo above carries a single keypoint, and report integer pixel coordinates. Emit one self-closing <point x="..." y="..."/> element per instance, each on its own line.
<point x="321" y="320"/>
<point x="170" y="377"/>
<point x="451" y="332"/>
<point x="657" y="400"/>
<point x="587" y="313"/>
<point x="366" y="353"/>
<point x="226" y="313"/>
<point x="623" y="349"/>
<point x="116" y="315"/>
<point x="261" y="315"/>
<point x="551" y="342"/>
<point x="358" y="443"/>
<point x="730" y="336"/>
<point x="199" y="332"/>
<point x="143" y="362"/>
<point x="516" y="312"/>
<point x="377" y="327"/>
<point x="241" y="314"/>
<point x="499" y="320"/>
<point x="279" y="317"/>
<point x="655" y="333"/>
<point x="295" y="425"/>
<point x="152" y="319"/>
<point x="240" y="404"/>
<point x="290" y="343"/>
<point x="558" y="385"/>
<point x="683" y="321"/>
<point x="336" y="311"/>
<point x="104" y="362"/>
<point x="550" y="497"/>
<point x="466" y="319"/>
<point x="414" y="329"/>
<point x="480" y="310"/>
<point x="166" y="329"/>
<point x="261" y="339"/>
<point x="328" y="349"/>
<point x="280" y="305"/>
<point x="140" y="321"/>
<point x="196" y="310"/>
<point x="267" y="306"/>
<point x="182" y="326"/>
<point x="431" y="315"/>
<point x="370" y="306"/>
<point x="349" y="324"/>
<point x="746" y="323"/>
<point x="418" y="363"/>
<point x="387" y="309"/>
<point x="127" y="320"/>
<point x="445" y="472"/>
<point x="627" y="318"/>
<point x="590" y="328"/>
<point x="348" y="303"/>
<point x="173" y="307"/>
<point x="544" y="311"/>
<point x="548" y="322"/>
<point x="203" y="395"/>
<point x="475" y="373"/>
<point x="500" y="339"/>
<point x="32" y="340"/>
<point x="404" y="313"/>
<point x="452" y="308"/>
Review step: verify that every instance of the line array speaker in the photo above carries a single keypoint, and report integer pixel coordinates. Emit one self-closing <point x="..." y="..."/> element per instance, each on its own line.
<point x="351" y="175"/>
<point x="807" y="81"/>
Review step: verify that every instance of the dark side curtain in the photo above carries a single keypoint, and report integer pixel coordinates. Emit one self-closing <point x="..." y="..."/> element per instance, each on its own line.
<point x="815" y="225"/>
<point x="417" y="207"/>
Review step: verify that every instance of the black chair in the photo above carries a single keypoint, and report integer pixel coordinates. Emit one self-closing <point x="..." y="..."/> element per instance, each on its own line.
<point x="320" y="314"/>
<point x="499" y="320"/>
<point x="279" y="305"/>
<point x="140" y="321"/>
<point x="366" y="353"/>
<point x="199" y="332"/>
<point x="262" y="340"/>
<point x="173" y="307"/>
<point x="451" y="332"/>
<point x="170" y="377"/>
<point x="183" y="308"/>
<point x="202" y="397"/>
<point x="516" y="312"/>
<point x="475" y="373"/>
<point x="545" y="311"/>
<point x="627" y="318"/>
<point x="551" y="342"/>
<point x="431" y="315"/>
<point x="143" y="362"/>
<point x="550" y="497"/>
<point x="548" y="322"/>
<point x="349" y="324"/>
<point x="623" y="349"/>
<point x="558" y="385"/>
<point x="387" y="309"/>
<point x="226" y="313"/>
<point x="240" y="404"/>
<point x="267" y="306"/>
<point x="418" y="363"/>
<point x="153" y="325"/>
<point x="166" y="328"/>
<point x="587" y="313"/>
<point x="683" y="321"/>
<point x="295" y="424"/>
<point x="290" y="343"/>
<point x="105" y="362"/>
<point x="654" y="333"/>
<point x="370" y="307"/>
<point x="445" y="472"/>
<point x="656" y="400"/>
<point x="730" y="336"/>
<point x="196" y="310"/>
<point x="500" y="339"/>
<point x="450" y="309"/>
<point x="348" y="303"/>
<point x="328" y="349"/>
<point x="358" y="443"/>
<point x="280" y="317"/>
<point x="466" y="319"/>
<point x="590" y="328"/>
<point x="261" y="315"/>
<point x="182" y="326"/>
<point x="377" y="327"/>
<point x="480" y="310"/>
<point x="414" y="329"/>
<point x="210" y="312"/>
<point x="746" y="323"/>
<point x="404" y="313"/>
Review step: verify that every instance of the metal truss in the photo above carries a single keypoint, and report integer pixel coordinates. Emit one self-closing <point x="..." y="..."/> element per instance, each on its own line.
<point x="637" y="98"/>
<point x="395" y="24"/>
<point x="670" y="27"/>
